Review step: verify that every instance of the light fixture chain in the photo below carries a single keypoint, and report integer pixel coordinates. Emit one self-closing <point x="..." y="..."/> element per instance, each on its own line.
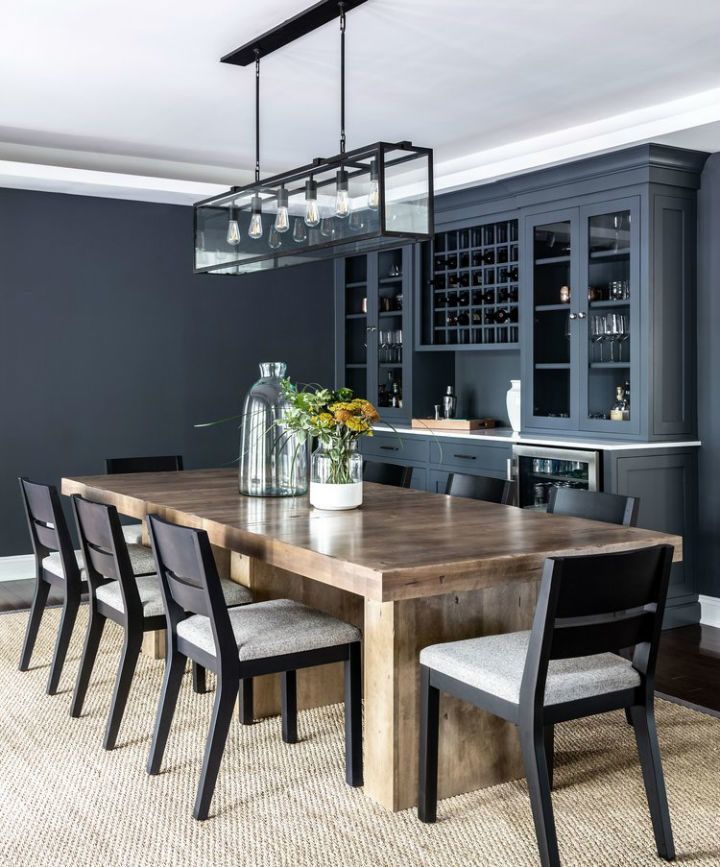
<point x="342" y="77"/>
<point x="257" y="115"/>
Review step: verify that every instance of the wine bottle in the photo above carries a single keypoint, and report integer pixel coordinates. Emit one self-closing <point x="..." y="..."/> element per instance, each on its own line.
<point x="502" y="316"/>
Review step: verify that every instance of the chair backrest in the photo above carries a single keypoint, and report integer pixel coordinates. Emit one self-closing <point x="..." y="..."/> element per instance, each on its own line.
<point x="387" y="474"/>
<point x="48" y="528"/>
<point x="598" y="603"/>
<point x="153" y="464"/>
<point x="593" y="505"/>
<point x="480" y="488"/>
<point x="190" y="581"/>
<point x="105" y="551"/>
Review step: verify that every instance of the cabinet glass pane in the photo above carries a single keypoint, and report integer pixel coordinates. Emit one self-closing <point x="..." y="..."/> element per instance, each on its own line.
<point x="609" y="293"/>
<point x="389" y="335"/>
<point x="356" y="324"/>
<point x="551" y="332"/>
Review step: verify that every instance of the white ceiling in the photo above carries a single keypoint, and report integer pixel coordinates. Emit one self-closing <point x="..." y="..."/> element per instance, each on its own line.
<point x="495" y="87"/>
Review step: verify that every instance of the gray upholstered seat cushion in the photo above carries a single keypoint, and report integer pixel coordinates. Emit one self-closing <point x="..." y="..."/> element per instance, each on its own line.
<point x="141" y="558"/>
<point x="273" y="628"/>
<point x="132" y="534"/>
<point x="495" y="664"/>
<point x="151" y="594"/>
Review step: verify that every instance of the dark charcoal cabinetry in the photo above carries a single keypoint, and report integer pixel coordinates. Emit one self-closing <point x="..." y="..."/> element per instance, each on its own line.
<point x="375" y="354"/>
<point x="625" y="256"/>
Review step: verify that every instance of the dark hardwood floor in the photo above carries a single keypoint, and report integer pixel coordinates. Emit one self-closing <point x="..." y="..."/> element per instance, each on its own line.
<point x="688" y="667"/>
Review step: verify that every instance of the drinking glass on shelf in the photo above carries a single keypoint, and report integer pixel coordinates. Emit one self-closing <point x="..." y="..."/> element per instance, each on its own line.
<point x="597" y="332"/>
<point x="384" y="341"/>
<point x="624" y="333"/>
<point x="398" y="345"/>
<point x="615" y="329"/>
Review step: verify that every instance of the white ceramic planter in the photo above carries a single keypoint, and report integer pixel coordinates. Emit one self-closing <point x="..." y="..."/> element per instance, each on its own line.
<point x="335" y="498"/>
<point x="513" y="404"/>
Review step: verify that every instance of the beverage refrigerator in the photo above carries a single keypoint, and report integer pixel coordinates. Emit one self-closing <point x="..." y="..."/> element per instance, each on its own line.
<point x="537" y="469"/>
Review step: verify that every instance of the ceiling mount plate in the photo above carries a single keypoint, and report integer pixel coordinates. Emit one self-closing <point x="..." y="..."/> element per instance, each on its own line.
<point x="290" y="30"/>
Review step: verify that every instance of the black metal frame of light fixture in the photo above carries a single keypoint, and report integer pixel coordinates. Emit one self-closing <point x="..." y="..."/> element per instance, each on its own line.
<point x="299" y="25"/>
<point x="290" y="30"/>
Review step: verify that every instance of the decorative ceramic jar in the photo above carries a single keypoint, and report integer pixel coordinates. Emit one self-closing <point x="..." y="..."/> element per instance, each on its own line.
<point x="273" y="461"/>
<point x="513" y="404"/>
<point x="336" y="478"/>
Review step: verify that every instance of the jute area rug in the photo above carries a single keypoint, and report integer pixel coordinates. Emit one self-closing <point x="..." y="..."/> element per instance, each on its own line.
<point x="65" y="801"/>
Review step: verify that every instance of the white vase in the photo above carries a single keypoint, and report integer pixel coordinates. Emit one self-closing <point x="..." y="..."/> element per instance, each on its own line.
<point x="334" y="498"/>
<point x="513" y="404"/>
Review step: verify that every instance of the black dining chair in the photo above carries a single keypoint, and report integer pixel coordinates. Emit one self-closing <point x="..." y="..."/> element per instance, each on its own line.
<point x="565" y="668"/>
<point x="262" y="638"/>
<point x="480" y="488"/>
<point x="593" y="505"/>
<point x="387" y="474"/>
<point x="135" y="603"/>
<point x="150" y="464"/>
<point x="56" y="563"/>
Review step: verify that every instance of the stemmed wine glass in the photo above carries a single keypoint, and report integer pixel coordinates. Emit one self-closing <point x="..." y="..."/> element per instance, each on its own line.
<point x="615" y="330"/>
<point x="384" y="339"/>
<point x="598" y="333"/>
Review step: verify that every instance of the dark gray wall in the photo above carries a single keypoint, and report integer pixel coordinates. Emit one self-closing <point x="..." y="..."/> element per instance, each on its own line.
<point x="709" y="378"/>
<point x="482" y="380"/>
<point x="110" y="346"/>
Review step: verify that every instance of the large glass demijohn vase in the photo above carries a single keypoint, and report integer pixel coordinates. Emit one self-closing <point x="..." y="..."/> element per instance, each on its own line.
<point x="273" y="461"/>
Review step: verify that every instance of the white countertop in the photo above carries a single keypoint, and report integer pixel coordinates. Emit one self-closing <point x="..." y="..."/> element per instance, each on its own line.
<point x="506" y="435"/>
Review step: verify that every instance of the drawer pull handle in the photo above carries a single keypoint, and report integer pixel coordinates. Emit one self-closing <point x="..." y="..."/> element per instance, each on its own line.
<point x="390" y="448"/>
<point x="465" y="457"/>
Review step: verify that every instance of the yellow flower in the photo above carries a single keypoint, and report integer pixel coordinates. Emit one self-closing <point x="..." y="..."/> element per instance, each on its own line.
<point x="358" y="425"/>
<point x="343" y="415"/>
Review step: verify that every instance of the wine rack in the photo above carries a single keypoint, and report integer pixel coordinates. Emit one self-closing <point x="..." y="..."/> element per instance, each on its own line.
<point x="473" y="292"/>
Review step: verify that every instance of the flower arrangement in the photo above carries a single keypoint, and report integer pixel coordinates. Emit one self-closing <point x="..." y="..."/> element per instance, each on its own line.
<point x="336" y="418"/>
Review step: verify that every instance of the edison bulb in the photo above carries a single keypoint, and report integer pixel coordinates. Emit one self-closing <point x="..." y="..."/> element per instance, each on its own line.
<point x="274" y="239"/>
<point x="312" y="211"/>
<point x="299" y="231"/>
<point x="282" y="220"/>
<point x="342" y="199"/>
<point x="233" y="230"/>
<point x="255" y="230"/>
<point x="374" y="195"/>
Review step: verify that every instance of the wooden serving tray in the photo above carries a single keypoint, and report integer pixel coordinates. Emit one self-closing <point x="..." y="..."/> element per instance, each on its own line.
<point x="453" y="423"/>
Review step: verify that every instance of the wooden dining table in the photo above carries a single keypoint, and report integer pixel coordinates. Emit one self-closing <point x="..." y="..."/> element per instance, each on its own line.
<point x="410" y="569"/>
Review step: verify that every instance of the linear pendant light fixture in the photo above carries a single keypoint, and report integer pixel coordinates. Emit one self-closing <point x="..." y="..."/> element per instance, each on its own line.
<point x="366" y="199"/>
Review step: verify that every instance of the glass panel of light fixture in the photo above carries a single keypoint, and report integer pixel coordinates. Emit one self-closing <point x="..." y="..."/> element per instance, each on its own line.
<point x="407" y="191"/>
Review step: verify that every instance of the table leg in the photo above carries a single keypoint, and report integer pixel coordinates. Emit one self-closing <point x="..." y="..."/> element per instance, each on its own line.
<point x="476" y="749"/>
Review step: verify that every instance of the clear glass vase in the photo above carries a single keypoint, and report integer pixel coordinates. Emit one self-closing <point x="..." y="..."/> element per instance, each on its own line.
<point x="273" y="461"/>
<point x="336" y="477"/>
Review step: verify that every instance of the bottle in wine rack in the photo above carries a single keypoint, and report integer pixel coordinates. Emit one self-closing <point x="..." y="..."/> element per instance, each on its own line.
<point x="452" y="280"/>
<point x="502" y="316"/>
<point x="489" y="317"/>
<point x="463" y="318"/>
<point x="489" y="257"/>
<point x="512" y="274"/>
<point x="463" y="299"/>
<point x="464" y="279"/>
<point x="502" y="255"/>
<point x="488" y="296"/>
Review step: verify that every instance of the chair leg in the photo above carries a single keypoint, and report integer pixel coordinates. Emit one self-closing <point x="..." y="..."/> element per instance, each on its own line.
<point x="96" y="624"/>
<point x="643" y="718"/>
<point x="225" y="695"/>
<point x="288" y="706"/>
<point x="174" y="672"/>
<point x="532" y="741"/>
<point x="429" y="734"/>
<point x="549" y="736"/>
<point x="198" y="679"/>
<point x="123" y="681"/>
<point x="67" y="622"/>
<point x="42" y="589"/>
<point x="353" y="717"/>
<point x="628" y="716"/>
<point x="245" y="710"/>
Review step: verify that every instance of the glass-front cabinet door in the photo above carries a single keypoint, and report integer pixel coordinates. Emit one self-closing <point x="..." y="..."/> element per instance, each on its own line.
<point x="374" y="329"/>
<point x="608" y="315"/>
<point x="581" y="346"/>
<point x="550" y="365"/>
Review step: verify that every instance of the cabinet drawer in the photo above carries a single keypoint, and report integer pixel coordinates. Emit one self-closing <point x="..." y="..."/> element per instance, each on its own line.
<point x="391" y="448"/>
<point x="475" y="458"/>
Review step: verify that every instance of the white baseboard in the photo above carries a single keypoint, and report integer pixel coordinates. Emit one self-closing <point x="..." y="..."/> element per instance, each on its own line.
<point x="710" y="611"/>
<point x="17" y="567"/>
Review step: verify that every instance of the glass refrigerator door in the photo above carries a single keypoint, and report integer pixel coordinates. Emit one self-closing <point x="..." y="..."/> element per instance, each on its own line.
<point x="539" y="470"/>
